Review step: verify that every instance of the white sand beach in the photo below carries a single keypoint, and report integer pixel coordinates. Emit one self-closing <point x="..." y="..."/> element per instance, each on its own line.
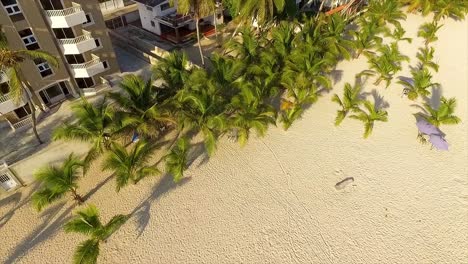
<point x="276" y="201"/>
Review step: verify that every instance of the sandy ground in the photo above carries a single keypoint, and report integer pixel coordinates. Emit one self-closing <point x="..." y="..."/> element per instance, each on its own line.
<point x="275" y="200"/>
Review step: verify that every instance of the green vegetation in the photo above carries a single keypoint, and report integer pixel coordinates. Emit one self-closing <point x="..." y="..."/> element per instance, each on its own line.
<point x="370" y="116"/>
<point x="441" y="115"/>
<point x="56" y="182"/>
<point x="87" y="222"/>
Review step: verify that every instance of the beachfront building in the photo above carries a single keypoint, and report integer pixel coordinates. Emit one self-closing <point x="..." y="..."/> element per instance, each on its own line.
<point x="73" y="31"/>
<point x="119" y="13"/>
<point x="159" y="17"/>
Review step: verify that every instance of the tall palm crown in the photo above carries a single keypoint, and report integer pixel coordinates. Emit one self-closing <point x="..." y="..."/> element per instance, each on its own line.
<point x="10" y="63"/>
<point x="176" y="160"/>
<point x="141" y="104"/>
<point x="57" y="181"/>
<point x="350" y="102"/>
<point x="87" y="222"/>
<point x="173" y="70"/>
<point x="388" y="11"/>
<point x="419" y="84"/>
<point x="96" y="124"/>
<point x="444" y="114"/>
<point x="368" y="118"/>
<point x="130" y="166"/>
<point x="262" y="10"/>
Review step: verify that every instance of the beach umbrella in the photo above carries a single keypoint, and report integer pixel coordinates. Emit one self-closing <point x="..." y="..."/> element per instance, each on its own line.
<point x="438" y="142"/>
<point x="427" y="128"/>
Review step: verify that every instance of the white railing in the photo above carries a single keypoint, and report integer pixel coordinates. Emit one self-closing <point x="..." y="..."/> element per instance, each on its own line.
<point x="3" y="77"/>
<point x="76" y="40"/>
<point x="5" y="97"/>
<point x="64" y="12"/>
<point x="86" y="64"/>
<point x="25" y="122"/>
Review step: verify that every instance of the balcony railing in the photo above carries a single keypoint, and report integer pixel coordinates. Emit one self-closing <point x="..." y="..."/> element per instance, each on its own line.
<point x="174" y="19"/>
<point x="64" y="12"/>
<point x="87" y="64"/>
<point x="25" y="122"/>
<point x="76" y="40"/>
<point x="5" y="97"/>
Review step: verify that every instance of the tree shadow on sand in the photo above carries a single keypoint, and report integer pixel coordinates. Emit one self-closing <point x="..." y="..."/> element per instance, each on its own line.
<point x="52" y="221"/>
<point x="18" y="203"/>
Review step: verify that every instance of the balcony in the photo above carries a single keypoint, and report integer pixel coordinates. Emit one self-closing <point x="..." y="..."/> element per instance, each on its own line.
<point x="66" y="18"/>
<point x="174" y="20"/>
<point x="88" y="69"/>
<point x="7" y="103"/>
<point x="77" y="45"/>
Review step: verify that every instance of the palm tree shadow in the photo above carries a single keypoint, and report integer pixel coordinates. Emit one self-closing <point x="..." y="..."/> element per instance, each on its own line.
<point x="97" y="187"/>
<point x="434" y="100"/>
<point x="48" y="228"/>
<point x="18" y="203"/>
<point x="379" y="101"/>
<point x="336" y="75"/>
<point x="142" y="211"/>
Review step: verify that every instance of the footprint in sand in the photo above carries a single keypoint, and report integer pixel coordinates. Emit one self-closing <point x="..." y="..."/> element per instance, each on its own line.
<point x="343" y="183"/>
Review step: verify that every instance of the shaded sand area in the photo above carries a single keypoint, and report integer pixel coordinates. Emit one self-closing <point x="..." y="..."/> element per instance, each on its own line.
<point x="277" y="200"/>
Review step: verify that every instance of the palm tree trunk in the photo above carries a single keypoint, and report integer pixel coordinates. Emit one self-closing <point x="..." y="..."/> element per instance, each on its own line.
<point x="33" y="116"/>
<point x="216" y="29"/>
<point x="77" y="197"/>
<point x="198" y="39"/>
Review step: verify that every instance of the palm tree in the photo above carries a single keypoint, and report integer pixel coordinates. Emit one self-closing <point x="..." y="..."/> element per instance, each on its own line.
<point x="141" y="105"/>
<point x="425" y="6"/>
<point x="198" y="9"/>
<point x="369" y="117"/>
<point x="448" y="8"/>
<point x="57" y="181"/>
<point x="425" y="56"/>
<point x="130" y="166"/>
<point x="225" y="71"/>
<point x="87" y="222"/>
<point x="10" y="63"/>
<point x="283" y="39"/>
<point x="248" y="112"/>
<point x="350" y="102"/>
<point x="334" y="39"/>
<point x="176" y="160"/>
<point x="366" y="38"/>
<point x="388" y="11"/>
<point x="173" y="70"/>
<point x="201" y="107"/>
<point x="419" y="85"/>
<point x="428" y="31"/>
<point x="398" y="34"/>
<point x="263" y="11"/>
<point x="444" y="114"/>
<point x="386" y="63"/>
<point x="96" y="124"/>
<point x="247" y="48"/>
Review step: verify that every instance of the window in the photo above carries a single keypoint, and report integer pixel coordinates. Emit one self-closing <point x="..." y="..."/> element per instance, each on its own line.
<point x="43" y="67"/>
<point x="89" y="20"/>
<point x="106" y="65"/>
<point x="149" y="8"/>
<point x="152" y="23"/>
<point x="98" y="42"/>
<point x="29" y="39"/>
<point x="165" y="6"/>
<point x="11" y="7"/>
<point x="64" y="88"/>
<point x="4" y="88"/>
<point x="84" y="82"/>
<point x="23" y="111"/>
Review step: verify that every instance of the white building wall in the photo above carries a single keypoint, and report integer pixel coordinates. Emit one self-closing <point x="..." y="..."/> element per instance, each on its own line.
<point x="146" y="16"/>
<point x="111" y="5"/>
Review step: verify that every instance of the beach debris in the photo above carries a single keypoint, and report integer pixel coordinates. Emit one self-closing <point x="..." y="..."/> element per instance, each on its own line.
<point x="343" y="183"/>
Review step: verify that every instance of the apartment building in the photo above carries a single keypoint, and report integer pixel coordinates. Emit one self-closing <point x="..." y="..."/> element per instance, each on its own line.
<point x="159" y="17"/>
<point x="73" y="31"/>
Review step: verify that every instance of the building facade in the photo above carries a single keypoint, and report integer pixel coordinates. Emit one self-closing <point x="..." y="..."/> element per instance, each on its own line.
<point x="74" y="32"/>
<point x="159" y="17"/>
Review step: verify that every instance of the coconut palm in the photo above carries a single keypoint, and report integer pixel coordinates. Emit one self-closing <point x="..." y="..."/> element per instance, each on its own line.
<point x="425" y="6"/>
<point x="366" y="38"/>
<point x="385" y="64"/>
<point x="419" y="84"/>
<point x="283" y="39"/>
<point x="249" y="113"/>
<point x="350" y="102"/>
<point x="201" y="107"/>
<point x="141" y="105"/>
<point x="176" y="160"/>
<point x="130" y="165"/>
<point x="247" y="48"/>
<point x="398" y="34"/>
<point x="87" y="222"/>
<point x="225" y="71"/>
<point x="443" y="114"/>
<point x="96" y="124"/>
<point x="369" y="117"/>
<point x="450" y="8"/>
<point x="334" y="39"/>
<point x="10" y="63"/>
<point x="173" y="70"/>
<point x="262" y="11"/>
<point x="428" y="31"/>
<point x="425" y="57"/>
<point x="57" y="181"/>
<point x="198" y="10"/>
<point x="265" y="75"/>
<point x="387" y="11"/>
